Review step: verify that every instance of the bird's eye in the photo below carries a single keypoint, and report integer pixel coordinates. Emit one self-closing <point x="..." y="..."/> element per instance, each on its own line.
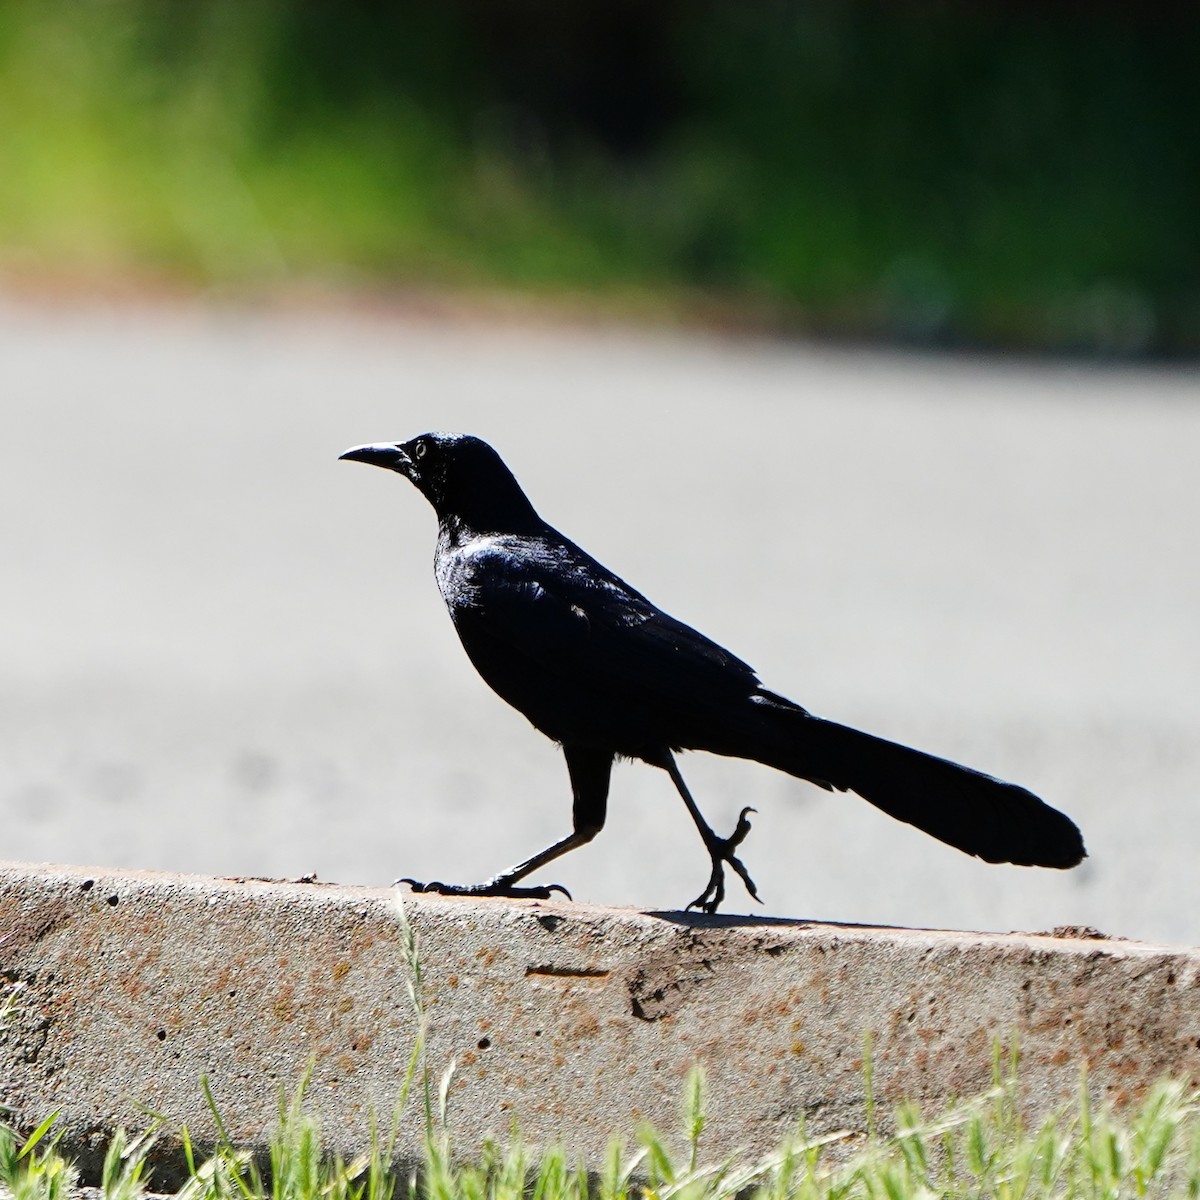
<point x="419" y="449"/>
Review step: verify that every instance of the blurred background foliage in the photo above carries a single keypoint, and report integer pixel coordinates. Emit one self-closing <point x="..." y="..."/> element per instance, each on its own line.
<point x="1007" y="174"/>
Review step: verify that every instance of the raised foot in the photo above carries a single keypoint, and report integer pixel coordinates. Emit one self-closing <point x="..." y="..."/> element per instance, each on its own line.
<point x="491" y="887"/>
<point x="721" y="851"/>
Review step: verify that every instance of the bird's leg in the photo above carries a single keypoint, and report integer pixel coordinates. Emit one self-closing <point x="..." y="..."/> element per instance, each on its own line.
<point x="720" y="850"/>
<point x="505" y="883"/>
<point x="589" y="770"/>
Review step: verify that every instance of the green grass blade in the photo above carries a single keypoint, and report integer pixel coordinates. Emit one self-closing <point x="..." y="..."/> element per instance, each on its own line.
<point x="40" y="1132"/>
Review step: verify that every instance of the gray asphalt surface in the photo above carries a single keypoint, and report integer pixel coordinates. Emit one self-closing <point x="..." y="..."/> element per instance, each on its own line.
<point x="223" y="651"/>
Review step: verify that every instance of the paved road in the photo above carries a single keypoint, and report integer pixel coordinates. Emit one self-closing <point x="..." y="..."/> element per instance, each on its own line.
<point x="223" y="651"/>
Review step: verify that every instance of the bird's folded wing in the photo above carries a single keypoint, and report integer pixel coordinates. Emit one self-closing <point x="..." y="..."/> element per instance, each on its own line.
<point x="601" y="634"/>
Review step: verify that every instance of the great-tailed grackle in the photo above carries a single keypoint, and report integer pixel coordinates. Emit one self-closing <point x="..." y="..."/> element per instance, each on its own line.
<point x="597" y="668"/>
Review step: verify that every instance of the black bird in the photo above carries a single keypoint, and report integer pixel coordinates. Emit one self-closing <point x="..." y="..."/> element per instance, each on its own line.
<point x="597" y="668"/>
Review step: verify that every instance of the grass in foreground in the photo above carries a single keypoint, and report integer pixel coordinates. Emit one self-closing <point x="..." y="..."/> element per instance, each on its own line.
<point x="974" y="1150"/>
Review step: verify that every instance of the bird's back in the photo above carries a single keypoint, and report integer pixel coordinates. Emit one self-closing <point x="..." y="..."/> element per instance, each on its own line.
<point x="586" y="657"/>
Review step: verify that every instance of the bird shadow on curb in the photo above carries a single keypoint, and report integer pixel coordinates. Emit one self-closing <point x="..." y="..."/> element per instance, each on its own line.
<point x="700" y="920"/>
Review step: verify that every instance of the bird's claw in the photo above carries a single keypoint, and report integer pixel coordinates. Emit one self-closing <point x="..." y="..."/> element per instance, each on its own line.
<point x="492" y="887"/>
<point x="738" y="836"/>
<point x="721" y="851"/>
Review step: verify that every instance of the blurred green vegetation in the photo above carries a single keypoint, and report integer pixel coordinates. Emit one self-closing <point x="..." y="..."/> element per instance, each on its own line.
<point x="999" y="174"/>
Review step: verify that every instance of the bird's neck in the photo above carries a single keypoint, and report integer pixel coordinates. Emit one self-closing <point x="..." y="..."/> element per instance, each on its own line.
<point x="508" y="512"/>
<point x="457" y="529"/>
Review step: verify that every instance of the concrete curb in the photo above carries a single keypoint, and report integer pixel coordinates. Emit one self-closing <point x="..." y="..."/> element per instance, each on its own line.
<point x="574" y="1022"/>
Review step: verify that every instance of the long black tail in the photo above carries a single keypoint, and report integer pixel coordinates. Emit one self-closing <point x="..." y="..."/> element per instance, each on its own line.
<point x="996" y="821"/>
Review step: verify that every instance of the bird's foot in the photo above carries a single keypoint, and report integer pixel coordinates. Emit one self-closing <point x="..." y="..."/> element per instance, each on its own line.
<point x="491" y="887"/>
<point x="721" y="851"/>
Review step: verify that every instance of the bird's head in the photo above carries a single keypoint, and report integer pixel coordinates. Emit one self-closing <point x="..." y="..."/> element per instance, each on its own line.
<point x="460" y="475"/>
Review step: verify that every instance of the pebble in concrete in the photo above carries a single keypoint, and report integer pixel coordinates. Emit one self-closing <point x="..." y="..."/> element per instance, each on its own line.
<point x="574" y="1022"/>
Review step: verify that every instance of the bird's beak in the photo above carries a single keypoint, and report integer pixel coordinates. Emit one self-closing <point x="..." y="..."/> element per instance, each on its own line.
<point x="382" y="454"/>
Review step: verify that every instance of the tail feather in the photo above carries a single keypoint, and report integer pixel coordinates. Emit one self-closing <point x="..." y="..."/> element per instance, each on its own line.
<point x="976" y="813"/>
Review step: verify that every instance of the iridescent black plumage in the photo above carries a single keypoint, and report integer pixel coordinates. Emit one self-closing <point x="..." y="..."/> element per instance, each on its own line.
<point x="595" y="666"/>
